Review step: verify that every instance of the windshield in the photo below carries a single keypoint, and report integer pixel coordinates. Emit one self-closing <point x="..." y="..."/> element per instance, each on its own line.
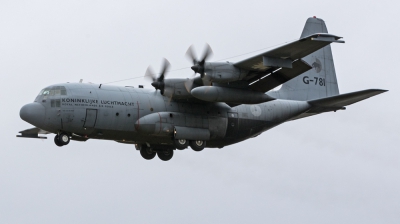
<point x="50" y="91"/>
<point x="53" y="91"/>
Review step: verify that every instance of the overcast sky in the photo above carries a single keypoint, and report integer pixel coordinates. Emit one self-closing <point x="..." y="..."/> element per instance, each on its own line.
<point x="339" y="167"/>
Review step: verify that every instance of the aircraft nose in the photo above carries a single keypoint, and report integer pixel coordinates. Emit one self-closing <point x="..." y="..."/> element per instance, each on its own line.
<point x="33" y="113"/>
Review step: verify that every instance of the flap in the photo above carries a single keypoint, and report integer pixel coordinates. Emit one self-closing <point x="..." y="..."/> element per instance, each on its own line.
<point x="293" y="50"/>
<point x="279" y="76"/>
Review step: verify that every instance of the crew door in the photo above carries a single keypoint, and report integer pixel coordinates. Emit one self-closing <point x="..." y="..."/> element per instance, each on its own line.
<point x="233" y="125"/>
<point x="91" y="117"/>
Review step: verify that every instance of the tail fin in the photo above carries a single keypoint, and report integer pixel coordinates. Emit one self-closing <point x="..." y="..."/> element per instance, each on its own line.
<point x="319" y="82"/>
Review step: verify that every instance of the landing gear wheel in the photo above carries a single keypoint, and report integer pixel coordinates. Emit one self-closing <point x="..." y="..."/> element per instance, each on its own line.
<point x="57" y="142"/>
<point x="147" y="153"/>
<point x="63" y="139"/>
<point x="197" y="145"/>
<point x="181" y="143"/>
<point x="165" y="154"/>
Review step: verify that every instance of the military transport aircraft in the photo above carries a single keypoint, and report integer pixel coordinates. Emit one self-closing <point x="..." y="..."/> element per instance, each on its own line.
<point x="227" y="103"/>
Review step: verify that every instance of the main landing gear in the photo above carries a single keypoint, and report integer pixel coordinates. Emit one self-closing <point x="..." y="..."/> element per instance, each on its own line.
<point x="61" y="139"/>
<point x="181" y="143"/>
<point x="196" y="145"/>
<point x="166" y="152"/>
<point x="148" y="153"/>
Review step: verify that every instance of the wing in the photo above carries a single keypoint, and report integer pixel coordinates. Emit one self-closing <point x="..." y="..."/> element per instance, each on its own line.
<point x="279" y="76"/>
<point x="33" y="133"/>
<point x="255" y="75"/>
<point x="277" y="66"/>
<point x="284" y="55"/>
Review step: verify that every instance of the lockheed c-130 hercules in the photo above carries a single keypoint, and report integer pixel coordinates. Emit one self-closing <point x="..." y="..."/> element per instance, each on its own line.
<point x="228" y="102"/>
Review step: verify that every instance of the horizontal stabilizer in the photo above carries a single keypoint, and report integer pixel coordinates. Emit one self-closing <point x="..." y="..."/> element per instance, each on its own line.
<point x="340" y="101"/>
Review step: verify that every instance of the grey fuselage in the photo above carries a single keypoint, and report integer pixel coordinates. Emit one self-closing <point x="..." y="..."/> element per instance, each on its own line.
<point x="137" y="115"/>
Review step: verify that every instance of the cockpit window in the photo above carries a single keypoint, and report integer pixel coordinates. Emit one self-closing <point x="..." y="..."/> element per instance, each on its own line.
<point x="54" y="91"/>
<point x="41" y="92"/>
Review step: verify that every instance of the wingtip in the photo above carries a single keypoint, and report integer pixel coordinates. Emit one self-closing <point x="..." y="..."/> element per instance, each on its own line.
<point x="381" y="90"/>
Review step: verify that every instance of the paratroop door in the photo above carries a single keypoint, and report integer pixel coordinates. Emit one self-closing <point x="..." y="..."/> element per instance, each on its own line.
<point x="90" y="120"/>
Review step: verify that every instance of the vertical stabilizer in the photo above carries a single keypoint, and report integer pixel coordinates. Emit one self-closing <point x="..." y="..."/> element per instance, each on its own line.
<point x="320" y="81"/>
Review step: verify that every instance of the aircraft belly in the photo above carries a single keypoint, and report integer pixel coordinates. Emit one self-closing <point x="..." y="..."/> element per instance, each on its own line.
<point x="252" y="120"/>
<point x="217" y="127"/>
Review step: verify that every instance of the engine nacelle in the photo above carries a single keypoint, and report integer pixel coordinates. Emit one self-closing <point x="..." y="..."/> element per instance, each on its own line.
<point x="176" y="89"/>
<point x="223" y="72"/>
<point x="155" y="124"/>
<point x="229" y="95"/>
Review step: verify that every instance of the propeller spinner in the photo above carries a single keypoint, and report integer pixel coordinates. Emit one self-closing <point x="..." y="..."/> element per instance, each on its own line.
<point x="198" y="65"/>
<point x="158" y="83"/>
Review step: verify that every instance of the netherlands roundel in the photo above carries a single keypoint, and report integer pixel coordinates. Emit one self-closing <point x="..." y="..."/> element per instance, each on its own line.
<point x="255" y="110"/>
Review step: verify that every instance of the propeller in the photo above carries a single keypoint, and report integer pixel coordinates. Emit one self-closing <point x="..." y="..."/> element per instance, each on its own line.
<point x="198" y="65"/>
<point x="158" y="83"/>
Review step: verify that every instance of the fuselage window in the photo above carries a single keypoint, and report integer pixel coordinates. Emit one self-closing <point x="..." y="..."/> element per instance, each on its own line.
<point x="63" y="90"/>
<point x="57" y="91"/>
<point x="55" y="103"/>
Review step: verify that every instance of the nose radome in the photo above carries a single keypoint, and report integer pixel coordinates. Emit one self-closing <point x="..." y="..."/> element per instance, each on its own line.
<point x="33" y="113"/>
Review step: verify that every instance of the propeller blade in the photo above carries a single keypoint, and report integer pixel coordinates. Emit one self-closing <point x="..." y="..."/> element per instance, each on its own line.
<point x="169" y="99"/>
<point x="165" y="66"/>
<point x="207" y="53"/>
<point x="191" y="55"/>
<point x="199" y="65"/>
<point x="189" y="84"/>
<point x="206" y="81"/>
<point x="150" y="74"/>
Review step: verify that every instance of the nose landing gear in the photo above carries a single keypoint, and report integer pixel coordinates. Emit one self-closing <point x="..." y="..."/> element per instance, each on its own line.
<point x="57" y="142"/>
<point x="61" y="139"/>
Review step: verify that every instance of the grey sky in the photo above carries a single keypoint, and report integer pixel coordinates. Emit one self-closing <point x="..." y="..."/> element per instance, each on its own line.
<point x="339" y="167"/>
